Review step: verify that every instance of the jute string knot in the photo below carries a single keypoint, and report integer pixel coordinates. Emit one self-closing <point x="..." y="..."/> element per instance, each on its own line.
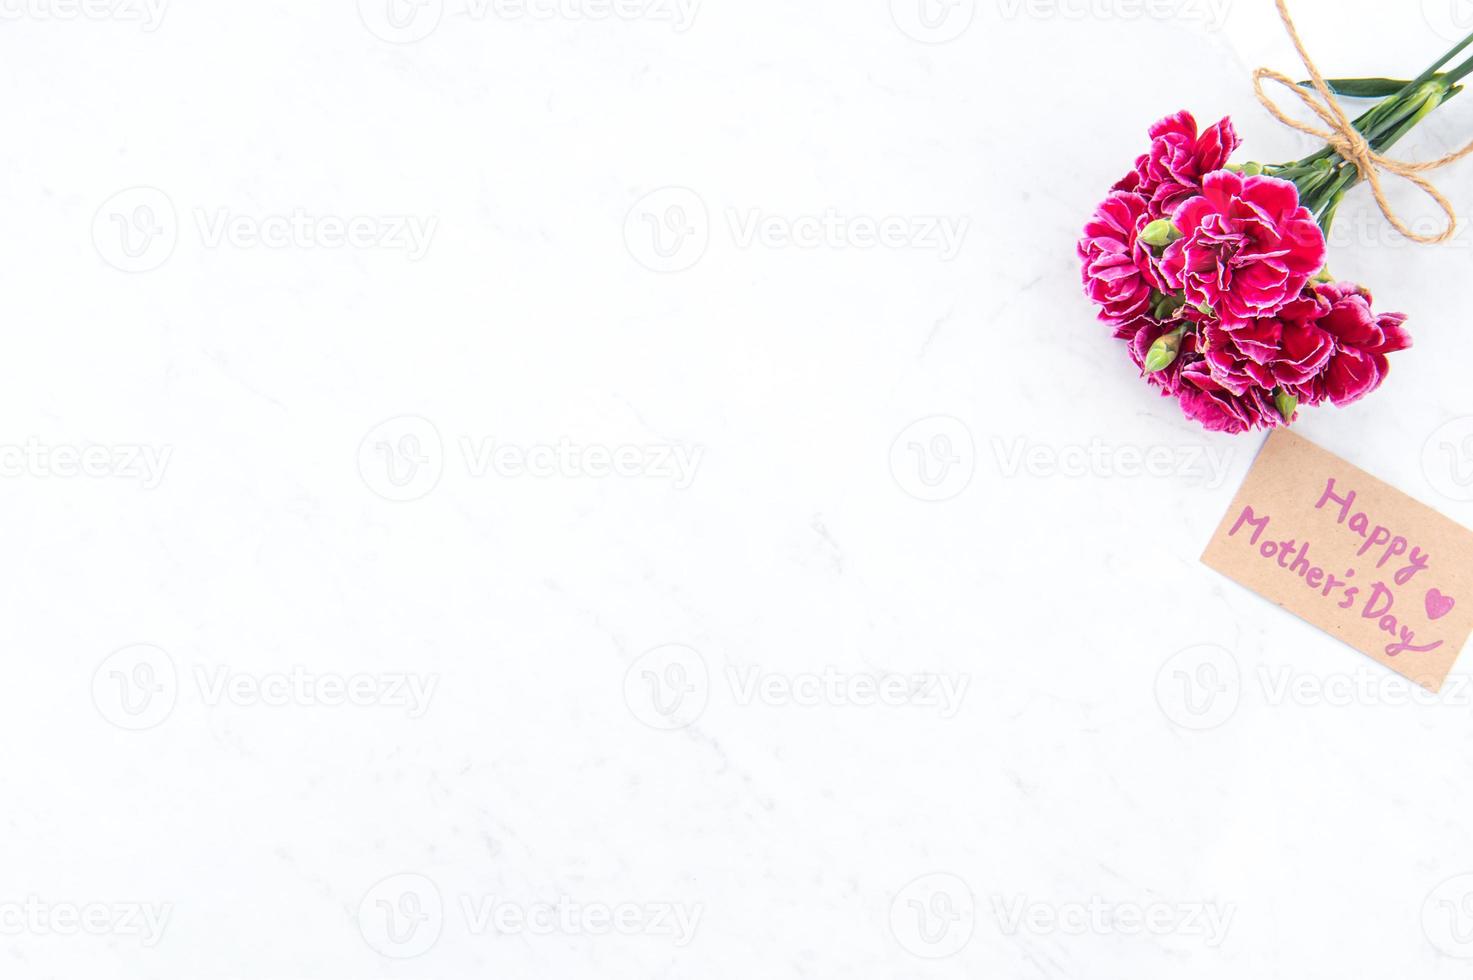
<point x="1342" y="136"/>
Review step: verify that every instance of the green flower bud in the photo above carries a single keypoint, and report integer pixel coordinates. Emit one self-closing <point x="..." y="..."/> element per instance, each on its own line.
<point x="1287" y="405"/>
<point x="1163" y="352"/>
<point x="1160" y="233"/>
<point x="1166" y="306"/>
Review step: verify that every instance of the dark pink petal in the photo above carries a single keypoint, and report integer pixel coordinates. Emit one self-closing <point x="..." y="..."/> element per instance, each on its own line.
<point x="1352" y="375"/>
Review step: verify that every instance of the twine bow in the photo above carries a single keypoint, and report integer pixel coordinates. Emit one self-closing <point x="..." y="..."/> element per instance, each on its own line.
<point x="1345" y="140"/>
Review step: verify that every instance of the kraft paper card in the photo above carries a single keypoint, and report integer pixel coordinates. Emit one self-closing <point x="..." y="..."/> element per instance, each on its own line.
<point x="1353" y="556"/>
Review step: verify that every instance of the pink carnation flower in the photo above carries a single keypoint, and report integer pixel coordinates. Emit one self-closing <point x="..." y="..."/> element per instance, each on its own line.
<point x="1191" y="379"/>
<point x="1219" y="410"/>
<point x="1116" y="265"/>
<point x="1172" y="169"/>
<point x="1268" y="352"/>
<point x="1248" y="247"/>
<point x="1223" y="300"/>
<point x="1324" y="345"/>
<point x="1351" y="341"/>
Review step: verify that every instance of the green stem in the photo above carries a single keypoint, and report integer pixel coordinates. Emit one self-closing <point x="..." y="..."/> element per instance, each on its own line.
<point x="1458" y="73"/>
<point x="1324" y="177"/>
<point x="1433" y="68"/>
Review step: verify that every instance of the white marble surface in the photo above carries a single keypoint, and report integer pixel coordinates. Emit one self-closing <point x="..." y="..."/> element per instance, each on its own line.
<point x="666" y="669"/>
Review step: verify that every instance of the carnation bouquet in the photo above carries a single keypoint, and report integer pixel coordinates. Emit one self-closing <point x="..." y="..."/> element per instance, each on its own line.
<point x="1213" y="273"/>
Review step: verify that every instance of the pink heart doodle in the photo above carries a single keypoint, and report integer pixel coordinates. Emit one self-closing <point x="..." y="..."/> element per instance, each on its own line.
<point x="1439" y="605"/>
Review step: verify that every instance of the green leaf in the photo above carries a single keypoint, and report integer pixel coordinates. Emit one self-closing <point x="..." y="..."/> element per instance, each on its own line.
<point x="1363" y="88"/>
